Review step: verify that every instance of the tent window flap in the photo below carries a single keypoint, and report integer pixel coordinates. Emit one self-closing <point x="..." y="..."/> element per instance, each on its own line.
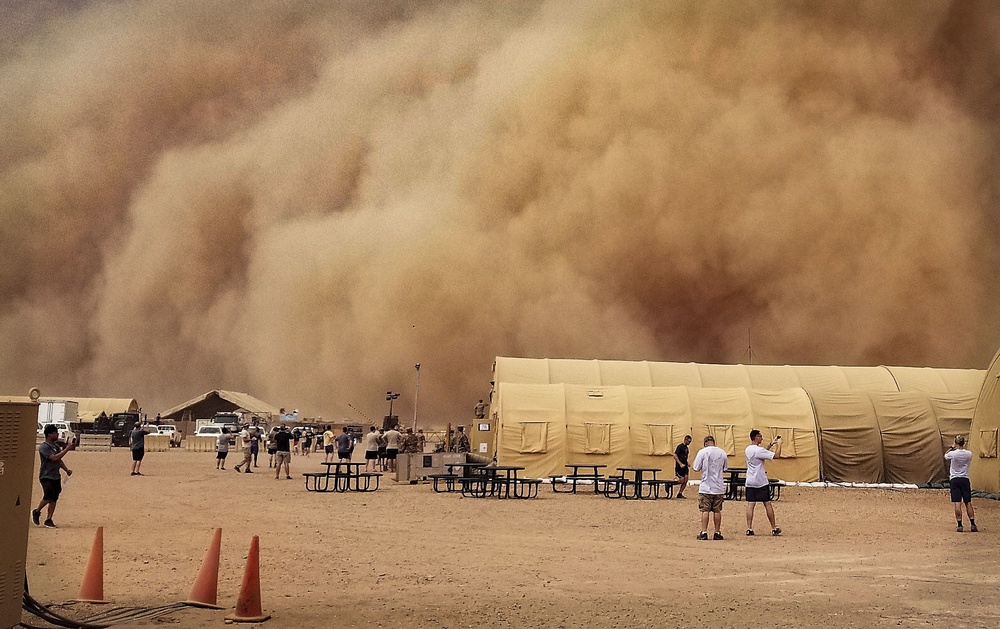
<point x="724" y="438"/>
<point x="987" y="444"/>
<point x="534" y="437"/>
<point x="784" y="449"/>
<point x="661" y="439"/>
<point x="598" y="439"/>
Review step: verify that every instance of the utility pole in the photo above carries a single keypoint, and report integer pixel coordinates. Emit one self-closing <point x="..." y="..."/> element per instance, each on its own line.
<point x="416" y="397"/>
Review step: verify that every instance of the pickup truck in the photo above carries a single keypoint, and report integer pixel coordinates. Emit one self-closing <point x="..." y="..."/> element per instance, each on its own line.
<point x="66" y="435"/>
<point x="171" y="431"/>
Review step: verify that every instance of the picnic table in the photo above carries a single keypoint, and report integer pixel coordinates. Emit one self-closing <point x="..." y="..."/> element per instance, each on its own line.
<point x="345" y="476"/>
<point x="499" y="481"/>
<point x="736" y="484"/>
<point x="638" y="487"/>
<point x="593" y="475"/>
<point x="451" y="478"/>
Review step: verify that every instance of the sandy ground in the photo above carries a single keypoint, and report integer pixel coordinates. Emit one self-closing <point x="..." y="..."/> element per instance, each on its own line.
<point x="405" y="556"/>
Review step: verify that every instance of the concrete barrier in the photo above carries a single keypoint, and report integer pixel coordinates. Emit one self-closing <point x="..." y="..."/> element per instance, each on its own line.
<point x="200" y="444"/>
<point x="94" y="443"/>
<point x="156" y="443"/>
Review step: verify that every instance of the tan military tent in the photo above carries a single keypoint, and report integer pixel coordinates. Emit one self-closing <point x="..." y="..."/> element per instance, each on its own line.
<point x="985" y="470"/>
<point x="91" y="408"/>
<point x="871" y="424"/>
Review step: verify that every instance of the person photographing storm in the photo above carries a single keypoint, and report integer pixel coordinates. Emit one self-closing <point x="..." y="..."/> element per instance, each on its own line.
<point x="961" y="489"/>
<point x="757" y="488"/>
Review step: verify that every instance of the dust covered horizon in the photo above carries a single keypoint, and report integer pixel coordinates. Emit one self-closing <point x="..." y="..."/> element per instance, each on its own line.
<point x="302" y="201"/>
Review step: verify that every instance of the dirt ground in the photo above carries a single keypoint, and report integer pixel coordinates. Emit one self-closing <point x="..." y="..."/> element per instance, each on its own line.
<point x="407" y="557"/>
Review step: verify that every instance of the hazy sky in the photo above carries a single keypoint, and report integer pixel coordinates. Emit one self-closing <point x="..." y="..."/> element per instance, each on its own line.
<point x="300" y="200"/>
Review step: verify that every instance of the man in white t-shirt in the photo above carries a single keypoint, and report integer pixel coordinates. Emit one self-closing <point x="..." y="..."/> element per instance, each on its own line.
<point x="712" y="462"/>
<point x="961" y="490"/>
<point x="757" y="486"/>
<point x="371" y="449"/>
<point x="392" y="440"/>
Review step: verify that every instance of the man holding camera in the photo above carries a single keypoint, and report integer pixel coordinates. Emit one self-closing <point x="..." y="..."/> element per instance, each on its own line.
<point x="961" y="489"/>
<point x="51" y="454"/>
<point x="757" y="487"/>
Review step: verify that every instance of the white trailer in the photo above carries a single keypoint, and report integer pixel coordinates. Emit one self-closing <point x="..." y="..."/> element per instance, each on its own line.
<point x="56" y="411"/>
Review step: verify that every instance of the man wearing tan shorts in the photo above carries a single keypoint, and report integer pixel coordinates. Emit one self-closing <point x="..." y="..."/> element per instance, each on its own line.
<point x="712" y="462"/>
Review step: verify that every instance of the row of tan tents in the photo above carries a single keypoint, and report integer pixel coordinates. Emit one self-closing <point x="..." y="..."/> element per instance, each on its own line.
<point x="839" y="424"/>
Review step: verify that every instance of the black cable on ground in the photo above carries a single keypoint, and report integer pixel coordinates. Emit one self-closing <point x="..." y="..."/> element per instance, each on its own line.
<point x="101" y="620"/>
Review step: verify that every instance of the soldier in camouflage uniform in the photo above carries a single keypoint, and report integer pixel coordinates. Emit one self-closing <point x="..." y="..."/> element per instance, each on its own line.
<point x="411" y="444"/>
<point x="462" y="443"/>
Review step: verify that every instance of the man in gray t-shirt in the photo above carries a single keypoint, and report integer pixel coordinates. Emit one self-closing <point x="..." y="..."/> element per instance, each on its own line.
<point x="51" y="456"/>
<point x="137" y="442"/>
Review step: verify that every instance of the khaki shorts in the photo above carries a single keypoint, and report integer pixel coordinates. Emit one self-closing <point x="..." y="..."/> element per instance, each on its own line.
<point x="282" y="457"/>
<point x="710" y="503"/>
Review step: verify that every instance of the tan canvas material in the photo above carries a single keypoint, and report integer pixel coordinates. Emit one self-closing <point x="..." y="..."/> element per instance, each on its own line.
<point x="984" y="473"/>
<point x="870" y="424"/>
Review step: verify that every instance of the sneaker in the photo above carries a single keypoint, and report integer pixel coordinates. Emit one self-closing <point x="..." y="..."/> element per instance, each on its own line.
<point x="49" y="524"/>
<point x="249" y="472"/>
<point x="132" y="474"/>
<point x="36" y="516"/>
<point x="974" y="529"/>
<point x="237" y="468"/>
<point x="959" y="529"/>
<point x="749" y="532"/>
<point x="289" y="477"/>
<point x="775" y="531"/>
<point x="703" y="535"/>
<point x="718" y="536"/>
<point x="681" y="496"/>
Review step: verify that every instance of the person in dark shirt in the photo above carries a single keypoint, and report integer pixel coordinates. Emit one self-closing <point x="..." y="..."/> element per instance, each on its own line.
<point x="51" y="456"/>
<point x="283" y="453"/>
<point x="344" y="445"/>
<point x="137" y="443"/>
<point x="681" y="469"/>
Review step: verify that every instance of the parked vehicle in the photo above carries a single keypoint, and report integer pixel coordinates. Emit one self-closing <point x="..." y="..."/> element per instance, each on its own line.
<point x="210" y="430"/>
<point x="66" y="435"/>
<point x="214" y="430"/>
<point x="121" y="425"/>
<point x="55" y="411"/>
<point x="171" y="431"/>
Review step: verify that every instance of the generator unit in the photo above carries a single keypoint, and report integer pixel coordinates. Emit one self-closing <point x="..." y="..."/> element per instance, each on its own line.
<point x="416" y="467"/>
<point x="18" y="425"/>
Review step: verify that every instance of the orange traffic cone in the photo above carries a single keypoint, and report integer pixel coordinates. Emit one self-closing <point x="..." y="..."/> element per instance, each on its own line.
<point x="248" y="603"/>
<point x="92" y="588"/>
<point x="205" y="591"/>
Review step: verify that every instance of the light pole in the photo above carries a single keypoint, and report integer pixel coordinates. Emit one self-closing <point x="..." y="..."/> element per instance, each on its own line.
<point x="390" y="396"/>
<point x="416" y="396"/>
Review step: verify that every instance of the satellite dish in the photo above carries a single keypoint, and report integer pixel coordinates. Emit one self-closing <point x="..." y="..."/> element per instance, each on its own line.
<point x="34" y="394"/>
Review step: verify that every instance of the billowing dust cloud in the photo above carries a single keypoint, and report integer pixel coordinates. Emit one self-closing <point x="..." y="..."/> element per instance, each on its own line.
<point x="302" y="200"/>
